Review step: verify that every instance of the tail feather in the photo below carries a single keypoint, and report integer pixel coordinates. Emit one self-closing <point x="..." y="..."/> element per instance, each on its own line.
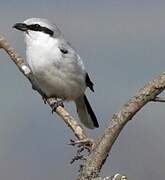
<point x="85" y="112"/>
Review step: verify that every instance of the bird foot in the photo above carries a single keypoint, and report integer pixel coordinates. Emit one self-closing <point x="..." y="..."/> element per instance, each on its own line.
<point x="44" y="98"/>
<point x="56" y="104"/>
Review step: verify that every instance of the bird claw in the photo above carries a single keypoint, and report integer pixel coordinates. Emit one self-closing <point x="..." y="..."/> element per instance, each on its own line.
<point x="57" y="103"/>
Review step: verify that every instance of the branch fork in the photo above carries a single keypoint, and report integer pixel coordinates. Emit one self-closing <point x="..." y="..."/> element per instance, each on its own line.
<point x="101" y="147"/>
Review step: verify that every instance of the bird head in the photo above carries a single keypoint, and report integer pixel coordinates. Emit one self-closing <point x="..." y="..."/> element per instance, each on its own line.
<point x="35" y="27"/>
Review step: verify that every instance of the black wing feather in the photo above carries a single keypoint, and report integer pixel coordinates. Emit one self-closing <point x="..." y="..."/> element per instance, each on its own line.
<point x="63" y="50"/>
<point x="89" y="83"/>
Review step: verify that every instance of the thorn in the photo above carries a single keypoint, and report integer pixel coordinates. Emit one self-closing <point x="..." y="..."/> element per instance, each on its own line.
<point x="158" y="99"/>
<point x="84" y="142"/>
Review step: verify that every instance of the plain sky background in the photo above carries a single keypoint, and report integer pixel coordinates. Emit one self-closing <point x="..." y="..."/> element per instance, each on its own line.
<point x="122" y="45"/>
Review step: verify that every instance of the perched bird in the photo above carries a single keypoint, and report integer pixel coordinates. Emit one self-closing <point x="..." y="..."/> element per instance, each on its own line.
<point x="57" y="68"/>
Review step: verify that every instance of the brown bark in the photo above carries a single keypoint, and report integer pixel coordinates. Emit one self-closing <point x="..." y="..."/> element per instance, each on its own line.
<point x="104" y="143"/>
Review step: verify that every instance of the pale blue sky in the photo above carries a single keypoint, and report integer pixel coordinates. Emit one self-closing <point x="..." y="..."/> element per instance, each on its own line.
<point x="122" y="45"/>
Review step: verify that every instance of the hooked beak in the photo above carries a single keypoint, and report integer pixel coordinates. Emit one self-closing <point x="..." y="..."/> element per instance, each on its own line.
<point x="20" y="26"/>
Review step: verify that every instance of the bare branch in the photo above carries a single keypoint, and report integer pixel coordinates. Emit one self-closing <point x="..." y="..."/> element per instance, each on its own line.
<point x="158" y="99"/>
<point x="101" y="147"/>
<point x="68" y="119"/>
<point x="93" y="164"/>
<point x="83" y="142"/>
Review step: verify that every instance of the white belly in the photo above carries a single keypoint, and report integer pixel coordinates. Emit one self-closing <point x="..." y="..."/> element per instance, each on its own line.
<point x="56" y="77"/>
<point x="61" y="84"/>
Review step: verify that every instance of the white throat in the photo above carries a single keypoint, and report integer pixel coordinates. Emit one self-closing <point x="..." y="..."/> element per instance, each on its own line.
<point x="36" y="37"/>
<point x="41" y="48"/>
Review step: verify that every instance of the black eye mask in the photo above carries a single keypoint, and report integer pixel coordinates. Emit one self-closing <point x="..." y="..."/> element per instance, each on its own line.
<point x="33" y="27"/>
<point x="37" y="27"/>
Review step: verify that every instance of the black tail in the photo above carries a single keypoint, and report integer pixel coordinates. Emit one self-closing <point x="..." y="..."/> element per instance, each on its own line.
<point x="85" y="112"/>
<point x="90" y="112"/>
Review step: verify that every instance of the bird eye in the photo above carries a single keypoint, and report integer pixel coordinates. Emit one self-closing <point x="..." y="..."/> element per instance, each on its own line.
<point x="36" y="26"/>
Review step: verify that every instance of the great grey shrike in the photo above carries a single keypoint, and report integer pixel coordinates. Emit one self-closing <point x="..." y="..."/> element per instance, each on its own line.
<point x="56" y="66"/>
